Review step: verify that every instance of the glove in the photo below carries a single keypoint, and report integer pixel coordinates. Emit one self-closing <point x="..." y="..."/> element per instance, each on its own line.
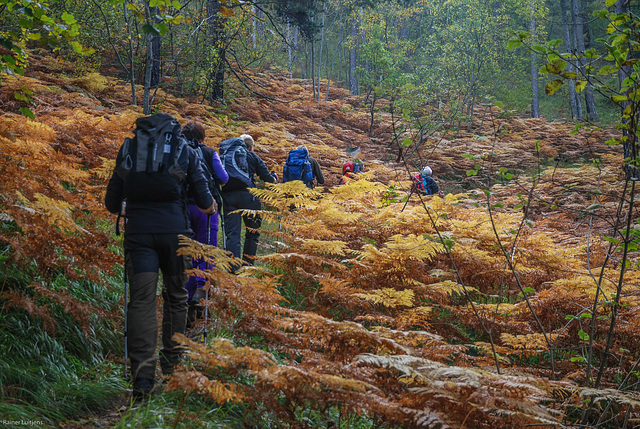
<point x="211" y="210"/>
<point x="274" y="175"/>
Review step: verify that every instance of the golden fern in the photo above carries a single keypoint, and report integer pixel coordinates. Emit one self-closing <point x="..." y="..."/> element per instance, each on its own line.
<point x="389" y="298"/>
<point x="55" y="212"/>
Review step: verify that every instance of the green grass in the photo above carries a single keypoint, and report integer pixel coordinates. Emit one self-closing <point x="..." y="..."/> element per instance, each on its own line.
<point x="178" y="410"/>
<point x="51" y="377"/>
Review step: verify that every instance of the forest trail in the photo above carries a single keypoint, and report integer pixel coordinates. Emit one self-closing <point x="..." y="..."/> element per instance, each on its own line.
<point x="81" y="123"/>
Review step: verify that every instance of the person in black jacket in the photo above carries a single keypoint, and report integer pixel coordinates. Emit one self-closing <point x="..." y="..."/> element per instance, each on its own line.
<point x="236" y="196"/>
<point x="150" y="244"/>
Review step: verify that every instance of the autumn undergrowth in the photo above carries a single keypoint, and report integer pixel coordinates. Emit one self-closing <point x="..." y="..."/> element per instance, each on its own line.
<point x="51" y="370"/>
<point x="180" y="410"/>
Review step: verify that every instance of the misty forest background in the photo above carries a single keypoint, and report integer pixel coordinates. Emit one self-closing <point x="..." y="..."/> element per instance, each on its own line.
<point x="511" y="302"/>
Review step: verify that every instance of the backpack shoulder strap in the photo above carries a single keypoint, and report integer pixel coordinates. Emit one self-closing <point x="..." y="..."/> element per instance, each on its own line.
<point x="125" y="161"/>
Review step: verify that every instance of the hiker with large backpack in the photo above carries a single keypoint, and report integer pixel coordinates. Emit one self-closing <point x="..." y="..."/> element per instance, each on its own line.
<point x="153" y="171"/>
<point x="205" y="227"/>
<point x="301" y="166"/>
<point x="351" y="169"/>
<point x="424" y="184"/>
<point x="242" y="163"/>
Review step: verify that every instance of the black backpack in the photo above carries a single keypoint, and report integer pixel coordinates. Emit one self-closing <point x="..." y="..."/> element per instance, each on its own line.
<point x="148" y="163"/>
<point x="233" y="154"/>
<point x="214" y="186"/>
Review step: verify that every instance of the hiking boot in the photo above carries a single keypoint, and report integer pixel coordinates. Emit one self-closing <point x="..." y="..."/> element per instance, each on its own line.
<point x="141" y="389"/>
<point x="195" y="309"/>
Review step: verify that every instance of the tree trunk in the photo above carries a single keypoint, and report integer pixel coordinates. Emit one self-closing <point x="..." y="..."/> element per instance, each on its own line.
<point x="353" y="83"/>
<point x="336" y="53"/>
<point x="320" y="53"/>
<point x="535" y="101"/>
<point x="148" y="65"/>
<point x="132" y="76"/>
<point x="592" y="114"/>
<point x="155" y="51"/>
<point x="146" y="106"/>
<point x="216" y="36"/>
<point x="576" y="112"/>
<point x="624" y="72"/>
<point x="258" y="27"/>
<point x="312" y="72"/>
<point x="289" y="51"/>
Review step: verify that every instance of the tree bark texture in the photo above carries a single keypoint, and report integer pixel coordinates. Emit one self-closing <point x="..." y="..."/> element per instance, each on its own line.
<point x="216" y="38"/>
<point x="592" y="114"/>
<point x="353" y="82"/>
<point x="576" y="110"/>
<point x="535" y="100"/>
<point x="132" y="74"/>
<point x="155" y="53"/>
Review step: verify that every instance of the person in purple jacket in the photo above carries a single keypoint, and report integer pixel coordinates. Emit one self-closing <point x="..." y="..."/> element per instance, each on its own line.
<point x="194" y="132"/>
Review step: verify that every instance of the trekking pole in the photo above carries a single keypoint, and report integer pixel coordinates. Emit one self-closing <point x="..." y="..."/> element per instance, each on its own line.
<point x="221" y="213"/>
<point x="206" y="292"/>
<point x="126" y="305"/>
<point x="122" y="214"/>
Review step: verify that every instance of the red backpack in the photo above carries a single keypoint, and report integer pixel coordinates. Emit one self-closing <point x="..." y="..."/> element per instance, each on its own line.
<point x="350" y="167"/>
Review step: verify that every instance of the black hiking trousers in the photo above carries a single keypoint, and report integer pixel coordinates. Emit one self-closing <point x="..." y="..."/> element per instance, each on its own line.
<point x="238" y="200"/>
<point x="145" y="256"/>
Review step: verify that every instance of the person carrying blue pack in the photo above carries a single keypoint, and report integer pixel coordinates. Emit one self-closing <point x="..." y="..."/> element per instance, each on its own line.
<point x="242" y="164"/>
<point x="424" y="184"/>
<point x="301" y="166"/>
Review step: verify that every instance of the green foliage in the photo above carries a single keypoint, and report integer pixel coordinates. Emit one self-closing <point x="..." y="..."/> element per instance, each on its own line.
<point x="33" y="22"/>
<point x="53" y="375"/>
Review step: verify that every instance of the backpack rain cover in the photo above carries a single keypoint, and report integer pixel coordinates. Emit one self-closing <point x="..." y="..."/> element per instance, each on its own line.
<point x="298" y="167"/>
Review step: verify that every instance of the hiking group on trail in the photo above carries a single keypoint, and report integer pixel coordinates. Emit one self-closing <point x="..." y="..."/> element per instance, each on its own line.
<point x="166" y="182"/>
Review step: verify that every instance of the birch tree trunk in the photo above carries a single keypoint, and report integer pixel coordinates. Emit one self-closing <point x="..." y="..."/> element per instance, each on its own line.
<point x="535" y="101"/>
<point x="132" y="74"/>
<point x="592" y="114"/>
<point x="155" y="52"/>
<point x="353" y="83"/>
<point x="289" y="50"/>
<point x="146" y="106"/>
<point x="322" y="33"/>
<point x="148" y="67"/>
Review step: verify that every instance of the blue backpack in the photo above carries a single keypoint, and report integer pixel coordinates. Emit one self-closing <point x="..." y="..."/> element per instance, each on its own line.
<point x="298" y="167"/>
<point x="233" y="154"/>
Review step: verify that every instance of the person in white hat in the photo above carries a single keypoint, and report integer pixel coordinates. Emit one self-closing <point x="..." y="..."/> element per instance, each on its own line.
<point x="424" y="184"/>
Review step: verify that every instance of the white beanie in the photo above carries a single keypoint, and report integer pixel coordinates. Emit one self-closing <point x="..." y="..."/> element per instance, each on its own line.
<point x="427" y="170"/>
<point x="247" y="139"/>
